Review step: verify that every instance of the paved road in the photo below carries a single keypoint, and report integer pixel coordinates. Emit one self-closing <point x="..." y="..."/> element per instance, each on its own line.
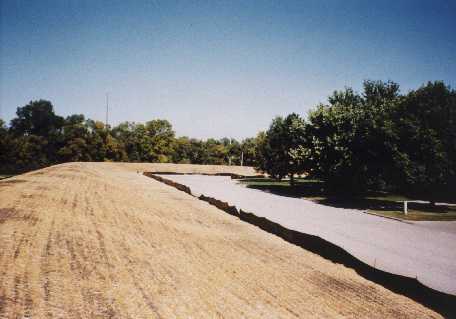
<point x="425" y="250"/>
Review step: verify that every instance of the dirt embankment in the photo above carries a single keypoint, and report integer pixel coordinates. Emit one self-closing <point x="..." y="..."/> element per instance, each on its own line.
<point x="96" y="240"/>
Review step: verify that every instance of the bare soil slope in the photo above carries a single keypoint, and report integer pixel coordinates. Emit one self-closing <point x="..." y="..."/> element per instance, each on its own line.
<point x="94" y="240"/>
<point x="180" y="168"/>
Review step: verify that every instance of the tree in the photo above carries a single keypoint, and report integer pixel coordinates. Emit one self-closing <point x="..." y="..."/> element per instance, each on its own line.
<point x="232" y="150"/>
<point x="114" y="150"/>
<point x="75" y="150"/>
<point x="381" y="140"/>
<point x="374" y="140"/>
<point x="134" y="140"/>
<point x="29" y="153"/>
<point x="152" y="142"/>
<point x="353" y="138"/>
<point x="75" y="140"/>
<point x="160" y="140"/>
<point x="426" y="156"/>
<point x="96" y="141"/>
<point x="182" y="150"/>
<point x="215" y="152"/>
<point x="37" y="118"/>
<point x="250" y="151"/>
<point x="197" y="152"/>
<point x="6" y="157"/>
<point x="283" y="137"/>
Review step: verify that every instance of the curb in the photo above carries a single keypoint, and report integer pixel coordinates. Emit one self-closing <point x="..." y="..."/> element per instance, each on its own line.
<point x="388" y="217"/>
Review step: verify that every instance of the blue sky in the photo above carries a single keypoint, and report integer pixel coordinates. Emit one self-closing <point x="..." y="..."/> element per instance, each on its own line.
<point x="215" y="68"/>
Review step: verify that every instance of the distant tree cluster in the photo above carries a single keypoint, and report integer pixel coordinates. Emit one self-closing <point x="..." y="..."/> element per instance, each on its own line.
<point x="37" y="137"/>
<point x="379" y="139"/>
<point x="376" y="140"/>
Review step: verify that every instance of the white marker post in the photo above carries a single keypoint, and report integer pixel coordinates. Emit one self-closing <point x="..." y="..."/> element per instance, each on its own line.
<point x="405" y="207"/>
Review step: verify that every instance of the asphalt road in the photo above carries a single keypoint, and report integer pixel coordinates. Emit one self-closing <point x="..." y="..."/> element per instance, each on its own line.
<point x="422" y="250"/>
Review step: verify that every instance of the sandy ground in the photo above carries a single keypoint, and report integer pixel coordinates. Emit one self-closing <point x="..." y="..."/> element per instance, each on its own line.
<point x="85" y="240"/>
<point x="180" y="168"/>
<point x="426" y="251"/>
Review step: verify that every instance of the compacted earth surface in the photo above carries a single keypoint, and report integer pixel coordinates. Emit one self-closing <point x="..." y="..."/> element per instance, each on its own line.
<point x="100" y="240"/>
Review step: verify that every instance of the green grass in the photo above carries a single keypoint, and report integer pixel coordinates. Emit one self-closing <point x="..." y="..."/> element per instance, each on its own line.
<point x="384" y="204"/>
<point x="419" y="215"/>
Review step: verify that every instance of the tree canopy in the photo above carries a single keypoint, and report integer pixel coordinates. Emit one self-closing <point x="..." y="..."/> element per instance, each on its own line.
<point x="379" y="139"/>
<point x="284" y="136"/>
<point x="37" y="137"/>
<point x="383" y="140"/>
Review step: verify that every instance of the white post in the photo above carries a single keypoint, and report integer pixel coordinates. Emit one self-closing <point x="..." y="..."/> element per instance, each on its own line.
<point x="405" y="207"/>
<point x="242" y="158"/>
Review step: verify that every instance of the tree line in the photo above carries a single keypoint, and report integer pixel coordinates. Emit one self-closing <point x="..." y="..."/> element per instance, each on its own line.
<point x="37" y="137"/>
<point x="378" y="139"/>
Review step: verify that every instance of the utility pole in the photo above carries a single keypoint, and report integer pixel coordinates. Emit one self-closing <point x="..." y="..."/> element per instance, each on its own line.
<point x="107" y="110"/>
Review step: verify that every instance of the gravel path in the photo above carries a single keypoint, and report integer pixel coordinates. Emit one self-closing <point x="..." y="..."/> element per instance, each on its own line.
<point x="425" y="250"/>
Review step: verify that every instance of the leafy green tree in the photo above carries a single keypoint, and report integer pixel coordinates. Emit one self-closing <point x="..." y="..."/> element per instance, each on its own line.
<point x="426" y="155"/>
<point x="37" y="118"/>
<point x="381" y="140"/>
<point x="75" y="140"/>
<point x="376" y="140"/>
<point x="152" y="142"/>
<point x="160" y="140"/>
<point x="216" y="152"/>
<point x="96" y="141"/>
<point x="134" y="139"/>
<point x="29" y="153"/>
<point x="182" y="150"/>
<point x="102" y="145"/>
<point x="232" y="151"/>
<point x="250" y="151"/>
<point x="75" y="150"/>
<point x="283" y="137"/>
<point x="6" y="148"/>
<point x="353" y="138"/>
<point x="115" y="150"/>
<point x="197" y="153"/>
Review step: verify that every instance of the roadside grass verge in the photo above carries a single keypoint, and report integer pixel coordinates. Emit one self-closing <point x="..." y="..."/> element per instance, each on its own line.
<point x="379" y="203"/>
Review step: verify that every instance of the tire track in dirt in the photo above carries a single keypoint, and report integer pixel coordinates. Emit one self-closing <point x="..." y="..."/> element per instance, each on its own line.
<point x="45" y="269"/>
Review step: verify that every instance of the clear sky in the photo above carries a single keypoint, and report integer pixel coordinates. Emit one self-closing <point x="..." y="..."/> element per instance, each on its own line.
<point x="215" y="68"/>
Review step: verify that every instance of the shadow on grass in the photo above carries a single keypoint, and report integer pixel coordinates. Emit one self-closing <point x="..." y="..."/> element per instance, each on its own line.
<point x="302" y="187"/>
<point x="315" y="191"/>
